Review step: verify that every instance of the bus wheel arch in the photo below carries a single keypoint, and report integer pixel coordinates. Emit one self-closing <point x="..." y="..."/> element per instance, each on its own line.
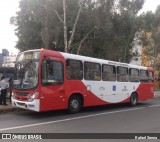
<point x="134" y="99"/>
<point x="75" y="103"/>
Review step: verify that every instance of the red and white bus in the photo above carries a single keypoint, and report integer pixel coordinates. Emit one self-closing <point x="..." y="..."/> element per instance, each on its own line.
<point x="50" y="80"/>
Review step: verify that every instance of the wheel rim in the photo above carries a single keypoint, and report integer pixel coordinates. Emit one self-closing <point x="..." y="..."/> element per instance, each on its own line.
<point x="134" y="99"/>
<point x="74" y="104"/>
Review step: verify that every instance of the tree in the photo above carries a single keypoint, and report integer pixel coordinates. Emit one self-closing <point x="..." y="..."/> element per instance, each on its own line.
<point x="86" y="27"/>
<point x="66" y="42"/>
<point x="151" y="45"/>
<point x="27" y="28"/>
<point x="116" y="25"/>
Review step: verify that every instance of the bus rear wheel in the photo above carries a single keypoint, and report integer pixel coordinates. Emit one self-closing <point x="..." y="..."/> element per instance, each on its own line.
<point x="133" y="99"/>
<point x="74" y="104"/>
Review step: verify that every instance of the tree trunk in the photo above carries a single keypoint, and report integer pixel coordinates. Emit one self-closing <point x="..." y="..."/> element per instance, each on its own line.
<point x="82" y="41"/>
<point x="74" y="28"/>
<point x="65" y="27"/>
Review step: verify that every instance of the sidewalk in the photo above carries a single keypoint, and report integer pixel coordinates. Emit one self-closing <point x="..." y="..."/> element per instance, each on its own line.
<point x="9" y="107"/>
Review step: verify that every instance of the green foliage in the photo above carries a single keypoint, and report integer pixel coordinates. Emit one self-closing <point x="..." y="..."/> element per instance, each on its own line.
<point x="110" y="26"/>
<point x="150" y="42"/>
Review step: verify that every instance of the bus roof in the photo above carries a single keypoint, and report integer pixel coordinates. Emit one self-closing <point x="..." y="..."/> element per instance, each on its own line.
<point x="101" y="61"/>
<point x="90" y="59"/>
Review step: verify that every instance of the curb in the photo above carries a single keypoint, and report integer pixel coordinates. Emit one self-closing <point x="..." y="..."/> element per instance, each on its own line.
<point x="11" y="109"/>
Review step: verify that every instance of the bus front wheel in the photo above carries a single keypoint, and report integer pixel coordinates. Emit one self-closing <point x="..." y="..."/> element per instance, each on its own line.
<point x="74" y="104"/>
<point x="133" y="99"/>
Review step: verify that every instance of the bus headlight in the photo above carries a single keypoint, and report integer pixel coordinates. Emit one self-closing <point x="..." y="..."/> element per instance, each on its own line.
<point x="13" y="96"/>
<point x="32" y="97"/>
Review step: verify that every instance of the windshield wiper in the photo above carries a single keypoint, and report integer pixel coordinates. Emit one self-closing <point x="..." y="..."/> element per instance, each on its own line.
<point x="26" y="65"/>
<point x="22" y="69"/>
<point x="19" y="68"/>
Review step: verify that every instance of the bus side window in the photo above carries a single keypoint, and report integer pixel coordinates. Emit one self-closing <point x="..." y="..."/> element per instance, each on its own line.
<point x="144" y="76"/>
<point x="92" y="71"/>
<point x="108" y="73"/>
<point x="122" y="74"/>
<point x="74" y="69"/>
<point x="134" y="75"/>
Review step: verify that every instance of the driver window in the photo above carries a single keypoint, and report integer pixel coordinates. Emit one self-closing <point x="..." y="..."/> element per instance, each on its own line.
<point x="52" y="72"/>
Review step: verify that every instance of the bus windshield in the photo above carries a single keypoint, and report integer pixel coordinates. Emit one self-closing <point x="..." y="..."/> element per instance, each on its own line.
<point x="26" y="71"/>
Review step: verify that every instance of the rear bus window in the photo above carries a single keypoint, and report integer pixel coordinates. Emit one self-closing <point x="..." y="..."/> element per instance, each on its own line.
<point x="144" y="76"/>
<point x="150" y="76"/>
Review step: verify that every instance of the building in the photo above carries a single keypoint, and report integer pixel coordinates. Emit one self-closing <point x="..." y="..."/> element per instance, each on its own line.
<point x="5" y="52"/>
<point x="9" y="61"/>
<point x="6" y="59"/>
<point x="1" y="59"/>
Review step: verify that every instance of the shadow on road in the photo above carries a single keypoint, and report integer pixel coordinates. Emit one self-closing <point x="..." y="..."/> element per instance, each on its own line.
<point x="84" y="111"/>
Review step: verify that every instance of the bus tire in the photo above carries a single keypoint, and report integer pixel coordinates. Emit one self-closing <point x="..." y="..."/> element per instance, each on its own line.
<point x="74" y="104"/>
<point x="133" y="99"/>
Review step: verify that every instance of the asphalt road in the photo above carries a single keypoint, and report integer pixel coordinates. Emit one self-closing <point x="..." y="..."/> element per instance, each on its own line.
<point x="144" y="118"/>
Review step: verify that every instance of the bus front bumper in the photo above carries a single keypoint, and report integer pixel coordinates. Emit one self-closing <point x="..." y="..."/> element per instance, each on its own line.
<point x="34" y="105"/>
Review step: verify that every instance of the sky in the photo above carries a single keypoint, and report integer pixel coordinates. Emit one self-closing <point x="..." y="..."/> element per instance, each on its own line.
<point x="8" y="9"/>
<point x="8" y="39"/>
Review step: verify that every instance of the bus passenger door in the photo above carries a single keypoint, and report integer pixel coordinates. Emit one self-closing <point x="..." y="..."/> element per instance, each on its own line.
<point x="52" y="91"/>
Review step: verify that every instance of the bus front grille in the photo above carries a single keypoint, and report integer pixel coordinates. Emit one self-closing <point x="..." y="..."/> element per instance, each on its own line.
<point x="22" y="93"/>
<point x="21" y="104"/>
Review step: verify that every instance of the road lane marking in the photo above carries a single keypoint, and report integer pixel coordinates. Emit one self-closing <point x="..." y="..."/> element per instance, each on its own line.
<point x="74" y="118"/>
